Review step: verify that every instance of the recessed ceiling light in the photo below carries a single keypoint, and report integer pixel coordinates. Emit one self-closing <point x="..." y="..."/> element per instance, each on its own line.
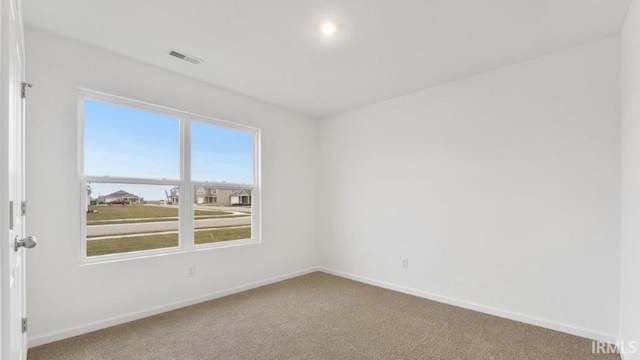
<point x="328" y="28"/>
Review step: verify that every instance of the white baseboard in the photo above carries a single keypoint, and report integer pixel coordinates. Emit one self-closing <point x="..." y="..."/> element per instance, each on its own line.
<point x="527" y="319"/>
<point x="121" y="319"/>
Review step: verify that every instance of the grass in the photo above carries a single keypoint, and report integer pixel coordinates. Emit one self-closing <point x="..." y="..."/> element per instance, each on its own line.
<point x="123" y="245"/>
<point x="148" y="242"/>
<point x="144" y="213"/>
<point x="211" y="236"/>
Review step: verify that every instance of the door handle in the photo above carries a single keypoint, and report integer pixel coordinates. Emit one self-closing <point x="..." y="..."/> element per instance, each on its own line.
<point x="28" y="242"/>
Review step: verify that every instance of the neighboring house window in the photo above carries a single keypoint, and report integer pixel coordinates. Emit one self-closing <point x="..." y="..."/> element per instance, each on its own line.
<point x="152" y="175"/>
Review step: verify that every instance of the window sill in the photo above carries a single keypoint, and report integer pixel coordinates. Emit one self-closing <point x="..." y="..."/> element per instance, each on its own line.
<point x="146" y="254"/>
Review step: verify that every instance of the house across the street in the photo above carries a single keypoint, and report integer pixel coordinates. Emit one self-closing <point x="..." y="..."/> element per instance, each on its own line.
<point x="210" y="195"/>
<point x="241" y="197"/>
<point x="120" y="195"/>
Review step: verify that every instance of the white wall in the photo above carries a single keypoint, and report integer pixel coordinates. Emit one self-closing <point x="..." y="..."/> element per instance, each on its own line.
<point x="63" y="295"/>
<point x="502" y="190"/>
<point x="630" y="245"/>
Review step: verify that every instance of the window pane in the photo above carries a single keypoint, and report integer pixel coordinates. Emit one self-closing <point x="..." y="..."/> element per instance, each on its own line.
<point x="130" y="217"/>
<point x="221" y="214"/>
<point x="127" y="142"/>
<point x="220" y="154"/>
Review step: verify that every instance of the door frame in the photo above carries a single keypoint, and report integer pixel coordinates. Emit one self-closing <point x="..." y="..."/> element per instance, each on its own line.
<point x="9" y="9"/>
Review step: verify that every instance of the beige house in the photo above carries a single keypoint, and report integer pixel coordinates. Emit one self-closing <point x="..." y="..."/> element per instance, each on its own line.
<point x="240" y="197"/>
<point x="211" y="195"/>
<point x="207" y="195"/>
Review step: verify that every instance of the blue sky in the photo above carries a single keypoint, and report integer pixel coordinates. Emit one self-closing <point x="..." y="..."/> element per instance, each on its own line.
<point x="127" y="142"/>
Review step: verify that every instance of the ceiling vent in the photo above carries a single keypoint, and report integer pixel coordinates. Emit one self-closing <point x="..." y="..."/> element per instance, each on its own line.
<point x="185" y="57"/>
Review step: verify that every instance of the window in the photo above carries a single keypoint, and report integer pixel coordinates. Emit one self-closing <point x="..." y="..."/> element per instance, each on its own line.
<point x="156" y="180"/>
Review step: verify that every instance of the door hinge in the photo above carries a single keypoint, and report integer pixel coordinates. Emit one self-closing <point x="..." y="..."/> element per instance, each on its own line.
<point x="24" y="325"/>
<point x="25" y="85"/>
<point x="24" y="208"/>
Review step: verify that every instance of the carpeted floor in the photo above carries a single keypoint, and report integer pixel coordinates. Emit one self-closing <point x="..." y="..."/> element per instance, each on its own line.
<point x="319" y="316"/>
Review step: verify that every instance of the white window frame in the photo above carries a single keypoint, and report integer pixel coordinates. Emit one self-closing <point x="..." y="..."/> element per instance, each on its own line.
<point x="185" y="213"/>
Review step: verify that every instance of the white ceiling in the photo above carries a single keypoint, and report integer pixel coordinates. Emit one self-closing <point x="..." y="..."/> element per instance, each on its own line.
<point x="272" y="49"/>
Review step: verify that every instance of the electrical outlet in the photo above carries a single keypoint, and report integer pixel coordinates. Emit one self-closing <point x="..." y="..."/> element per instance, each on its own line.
<point x="405" y="263"/>
<point x="191" y="271"/>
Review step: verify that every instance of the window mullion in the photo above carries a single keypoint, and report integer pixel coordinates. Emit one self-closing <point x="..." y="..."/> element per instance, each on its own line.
<point x="186" y="189"/>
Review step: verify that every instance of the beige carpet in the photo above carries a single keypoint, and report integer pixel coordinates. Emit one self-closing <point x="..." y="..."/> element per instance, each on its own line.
<point x="319" y="316"/>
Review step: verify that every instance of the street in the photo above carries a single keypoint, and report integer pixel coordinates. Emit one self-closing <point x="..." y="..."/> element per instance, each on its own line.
<point x="112" y="229"/>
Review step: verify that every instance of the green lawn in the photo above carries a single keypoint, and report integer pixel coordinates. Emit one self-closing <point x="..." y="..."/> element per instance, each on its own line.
<point x="148" y="242"/>
<point x="211" y="236"/>
<point x="106" y="214"/>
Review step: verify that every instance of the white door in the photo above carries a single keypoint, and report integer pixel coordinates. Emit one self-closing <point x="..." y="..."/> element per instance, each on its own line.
<point x="12" y="264"/>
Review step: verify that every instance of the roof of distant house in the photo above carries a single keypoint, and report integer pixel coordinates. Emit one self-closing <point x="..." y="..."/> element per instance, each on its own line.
<point x="122" y="194"/>
<point x="240" y="192"/>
